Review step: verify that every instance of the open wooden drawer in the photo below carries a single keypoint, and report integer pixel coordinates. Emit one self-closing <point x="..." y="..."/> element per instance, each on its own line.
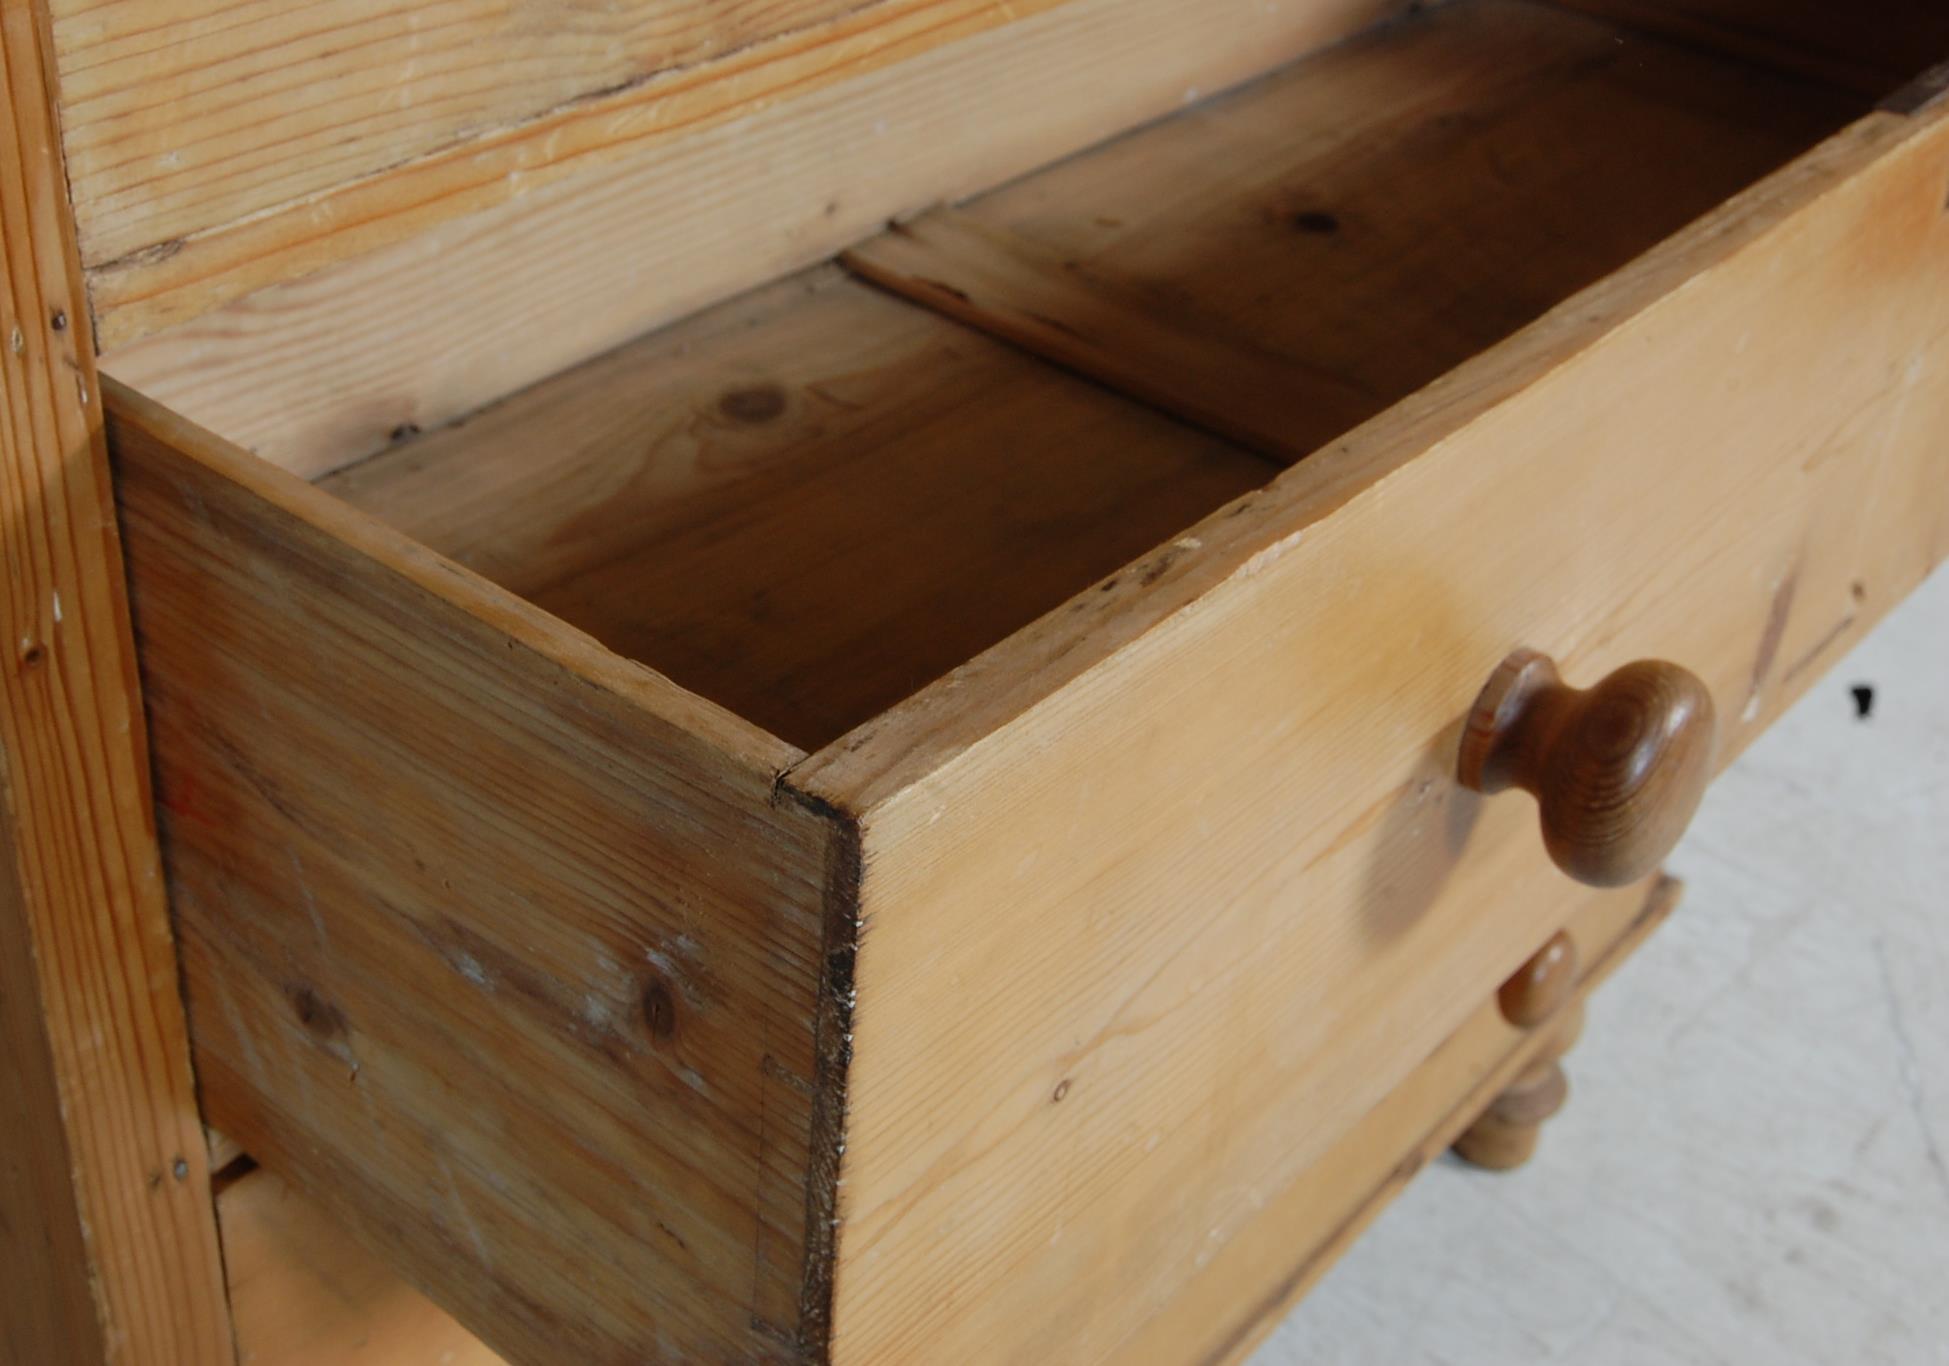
<point x="891" y="818"/>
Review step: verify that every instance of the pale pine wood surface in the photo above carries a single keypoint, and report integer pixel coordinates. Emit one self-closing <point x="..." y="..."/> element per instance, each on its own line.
<point x="315" y="367"/>
<point x="498" y="944"/>
<point x="1750" y="1166"/>
<point x="1385" y="1150"/>
<point x="1092" y="821"/>
<point x="793" y="504"/>
<point x="182" y="116"/>
<point x="401" y="121"/>
<point x="804" y="505"/>
<point x="1642" y="474"/>
<point x="1531" y="387"/>
<point x="305" y="1294"/>
<point x="1759" y="1023"/>
<point x="108" y="1246"/>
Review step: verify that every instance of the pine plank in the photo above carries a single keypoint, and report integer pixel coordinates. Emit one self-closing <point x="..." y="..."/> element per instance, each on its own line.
<point x="1022" y="292"/>
<point x="805" y="504"/>
<point x="357" y="314"/>
<point x="1728" y="455"/>
<point x="108" y="1244"/>
<point x="1178" y="1047"/>
<point x="497" y="943"/>
<point x="722" y="500"/>
<point x="1357" y="225"/>
<point x="182" y="116"/>
<point x="306" y="1294"/>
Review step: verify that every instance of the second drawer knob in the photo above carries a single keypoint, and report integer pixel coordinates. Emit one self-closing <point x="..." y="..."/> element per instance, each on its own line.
<point x="1617" y="770"/>
<point x="1543" y="986"/>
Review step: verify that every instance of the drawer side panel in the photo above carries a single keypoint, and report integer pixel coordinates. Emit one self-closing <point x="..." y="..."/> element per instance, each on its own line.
<point x="497" y="945"/>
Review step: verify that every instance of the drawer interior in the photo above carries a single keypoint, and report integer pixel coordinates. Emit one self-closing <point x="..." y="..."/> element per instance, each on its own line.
<point x="806" y="503"/>
<point x="809" y="501"/>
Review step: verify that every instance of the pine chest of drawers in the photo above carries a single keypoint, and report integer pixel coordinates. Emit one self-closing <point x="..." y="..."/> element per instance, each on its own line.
<point x="837" y="697"/>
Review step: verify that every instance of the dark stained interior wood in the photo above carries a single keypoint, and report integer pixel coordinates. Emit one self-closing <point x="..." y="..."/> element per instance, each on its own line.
<point x="809" y="502"/>
<point x="1379" y="215"/>
<point x="1020" y="291"/>
<point x="1869" y="47"/>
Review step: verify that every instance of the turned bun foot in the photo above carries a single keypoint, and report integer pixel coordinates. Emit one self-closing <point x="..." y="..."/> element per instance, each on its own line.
<point x="1504" y="1136"/>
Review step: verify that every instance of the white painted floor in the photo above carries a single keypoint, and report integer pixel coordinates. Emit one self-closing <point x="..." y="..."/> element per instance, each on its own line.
<point x="1754" y="1166"/>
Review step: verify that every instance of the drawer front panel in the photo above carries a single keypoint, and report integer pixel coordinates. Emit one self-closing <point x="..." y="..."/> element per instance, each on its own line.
<point x="1187" y="858"/>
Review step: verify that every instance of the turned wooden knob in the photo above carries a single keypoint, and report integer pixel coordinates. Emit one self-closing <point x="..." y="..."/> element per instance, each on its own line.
<point x="1617" y="770"/>
<point x="1542" y="986"/>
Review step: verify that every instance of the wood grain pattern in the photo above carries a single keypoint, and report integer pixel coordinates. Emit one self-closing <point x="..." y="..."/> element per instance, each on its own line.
<point x="1331" y="243"/>
<point x="792" y="504"/>
<point x="305" y="1294"/>
<point x="1191" y="836"/>
<point x="1881" y="159"/>
<point x="1642" y="473"/>
<point x="319" y="366"/>
<point x="658" y="119"/>
<point x="1022" y="292"/>
<point x="805" y="504"/>
<point x="182" y="116"/>
<point x="1750" y="1076"/>
<point x="108" y="1246"/>
<point x="495" y="941"/>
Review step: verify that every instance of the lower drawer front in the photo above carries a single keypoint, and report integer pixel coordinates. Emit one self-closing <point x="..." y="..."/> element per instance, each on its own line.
<point x="303" y="1293"/>
<point x="1172" y="924"/>
<point x="1241" y="1292"/>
